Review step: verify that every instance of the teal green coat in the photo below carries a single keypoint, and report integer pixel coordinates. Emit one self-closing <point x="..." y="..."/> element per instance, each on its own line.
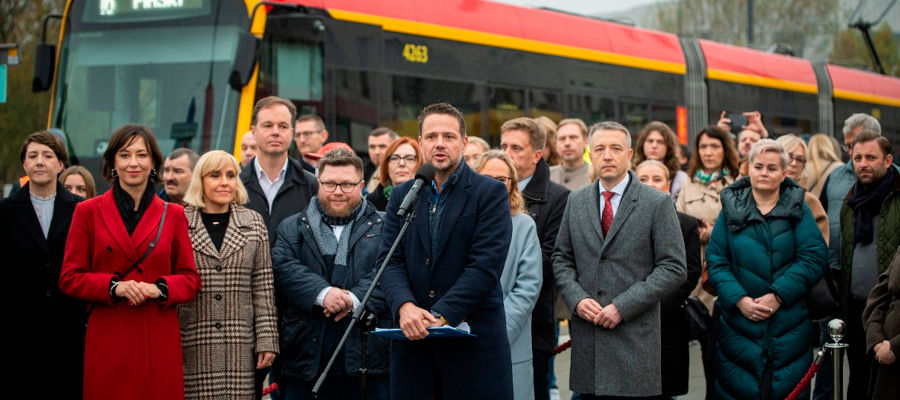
<point x="751" y="255"/>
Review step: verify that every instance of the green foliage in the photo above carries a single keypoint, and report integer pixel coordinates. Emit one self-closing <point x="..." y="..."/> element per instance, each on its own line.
<point x="24" y="112"/>
<point x="850" y="49"/>
<point x="797" y="23"/>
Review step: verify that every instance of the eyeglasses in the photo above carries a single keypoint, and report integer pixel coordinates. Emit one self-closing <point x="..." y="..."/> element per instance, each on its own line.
<point x="305" y="133"/>
<point x="345" y="186"/>
<point x="502" y="179"/>
<point x="395" y="159"/>
<point x="846" y="148"/>
<point x="798" y="159"/>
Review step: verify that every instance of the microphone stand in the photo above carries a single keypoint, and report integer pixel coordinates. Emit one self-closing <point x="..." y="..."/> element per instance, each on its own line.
<point x="359" y="312"/>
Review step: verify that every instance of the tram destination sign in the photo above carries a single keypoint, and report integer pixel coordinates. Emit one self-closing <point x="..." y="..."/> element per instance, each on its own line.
<point x="106" y="11"/>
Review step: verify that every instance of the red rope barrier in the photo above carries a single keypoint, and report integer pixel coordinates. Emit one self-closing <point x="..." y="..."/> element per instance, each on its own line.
<point x="803" y="382"/>
<point x="820" y="356"/>
<point x="269" y="389"/>
<point x="563" y="347"/>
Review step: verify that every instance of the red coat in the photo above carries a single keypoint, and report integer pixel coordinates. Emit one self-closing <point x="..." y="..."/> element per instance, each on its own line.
<point x="130" y="352"/>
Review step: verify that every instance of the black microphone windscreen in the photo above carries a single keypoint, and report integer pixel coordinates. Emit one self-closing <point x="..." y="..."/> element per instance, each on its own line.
<point x="425" y="173"/>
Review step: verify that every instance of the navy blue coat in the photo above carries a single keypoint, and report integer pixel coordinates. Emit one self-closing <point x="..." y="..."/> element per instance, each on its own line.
<point x="300" y="274"/>
<point x="459" y="279"/>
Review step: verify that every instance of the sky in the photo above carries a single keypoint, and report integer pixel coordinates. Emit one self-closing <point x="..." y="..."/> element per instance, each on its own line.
<point x="589" y="7"/>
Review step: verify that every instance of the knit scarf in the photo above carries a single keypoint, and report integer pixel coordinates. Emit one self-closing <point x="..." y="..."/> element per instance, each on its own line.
<point x="321" y="224"/>
<point x="706" y="179"/>
<point x="866" y="204"/>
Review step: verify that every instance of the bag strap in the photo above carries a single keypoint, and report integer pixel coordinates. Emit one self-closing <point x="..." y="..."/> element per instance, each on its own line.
<point x="152" y="244"/>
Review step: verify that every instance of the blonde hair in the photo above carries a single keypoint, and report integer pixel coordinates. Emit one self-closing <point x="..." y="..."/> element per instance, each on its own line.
<point x="820" y="154"/>
<point x="657" y="163"/>
<point x="791" y="142"/>
<point x="516" y="202"/>
<point x="208" y="163"/>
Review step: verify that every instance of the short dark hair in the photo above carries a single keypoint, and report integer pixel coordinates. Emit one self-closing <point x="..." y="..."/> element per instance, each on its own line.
<point x="537" y="138"/>
<point x="442" y="108"/>
<point x="122" y="138"/>
<point x="184" y="151"/>
<point x="320" y="124"/>
<point x="868" y="136"/>
<point x="340" y="158"/>
<point x="47" y="139"/>
<point x="266" y="102"/>
<point x="384" y="131"/>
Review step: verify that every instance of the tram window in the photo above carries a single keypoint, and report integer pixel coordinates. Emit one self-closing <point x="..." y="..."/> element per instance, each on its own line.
<point x="548" y="104"/>
<point x="411" y="94"/>
<point x="291" y="70"/>
<point x="505" y="104"/>
<point x="634" y="115"/>
<point x="663" y="113"/>
<point x="355" y="107"/>
<point x="591" y="109"/>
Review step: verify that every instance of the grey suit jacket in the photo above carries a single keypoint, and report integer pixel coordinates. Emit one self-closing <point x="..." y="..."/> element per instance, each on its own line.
<point x="638" y="263"/>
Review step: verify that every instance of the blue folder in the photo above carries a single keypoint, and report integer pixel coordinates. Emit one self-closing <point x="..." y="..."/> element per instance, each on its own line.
<point x="433" y="333"/>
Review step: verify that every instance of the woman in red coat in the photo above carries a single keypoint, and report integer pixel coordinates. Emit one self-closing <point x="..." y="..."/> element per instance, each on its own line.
<point x="133" y="344"/>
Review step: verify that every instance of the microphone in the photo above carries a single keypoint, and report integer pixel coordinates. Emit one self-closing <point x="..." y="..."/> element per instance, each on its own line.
<point x="424" y="176"/>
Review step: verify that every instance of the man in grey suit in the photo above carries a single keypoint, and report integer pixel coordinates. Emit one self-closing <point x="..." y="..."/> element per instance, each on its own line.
<point x="619" y="252"/>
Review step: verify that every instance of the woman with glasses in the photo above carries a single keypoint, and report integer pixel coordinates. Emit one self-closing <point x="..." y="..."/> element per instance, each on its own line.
<point x="796" y="150"/>
<point x="231" y="249"/>
<point x="401" y="160"/>
<point x="522" y="274"/>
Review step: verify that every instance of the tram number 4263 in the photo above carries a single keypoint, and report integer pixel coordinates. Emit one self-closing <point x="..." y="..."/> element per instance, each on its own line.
<point x="415" y="53"/>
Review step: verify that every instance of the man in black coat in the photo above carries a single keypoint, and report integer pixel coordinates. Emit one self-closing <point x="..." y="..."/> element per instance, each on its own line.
<point x="277" y="186"/>
<point x="323" y="265"/>
<point x="46" y="328"/>
<point x="524" y="141"/>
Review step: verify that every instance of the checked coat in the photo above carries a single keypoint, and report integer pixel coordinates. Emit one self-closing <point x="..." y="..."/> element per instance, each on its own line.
<point x="233" y="318"/>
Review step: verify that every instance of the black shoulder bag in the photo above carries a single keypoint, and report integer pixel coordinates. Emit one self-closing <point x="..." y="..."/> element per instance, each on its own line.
<point x="152" y="244"/>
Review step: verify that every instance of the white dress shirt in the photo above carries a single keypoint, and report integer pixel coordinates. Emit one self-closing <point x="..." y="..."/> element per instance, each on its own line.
<point x="618" y="190"/>
<point x="270" y="188"/>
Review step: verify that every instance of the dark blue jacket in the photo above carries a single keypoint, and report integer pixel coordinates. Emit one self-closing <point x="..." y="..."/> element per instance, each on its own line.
<point x="460" y="279"/>
<point x="750" y="254"/>
<point x="301" y="273"/>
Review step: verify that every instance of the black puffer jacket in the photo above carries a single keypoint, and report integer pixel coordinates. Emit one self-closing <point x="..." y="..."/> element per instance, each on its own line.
<point x="545" y="201"/>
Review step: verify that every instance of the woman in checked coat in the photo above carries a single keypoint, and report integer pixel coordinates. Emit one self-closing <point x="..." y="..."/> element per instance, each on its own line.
<point x="229" y="331"/>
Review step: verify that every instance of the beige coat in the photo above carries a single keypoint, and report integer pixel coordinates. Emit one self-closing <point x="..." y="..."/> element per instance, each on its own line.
<point x="702" y="201"/>
<point x="818" y="213"/>
<point x="234" y="317"/>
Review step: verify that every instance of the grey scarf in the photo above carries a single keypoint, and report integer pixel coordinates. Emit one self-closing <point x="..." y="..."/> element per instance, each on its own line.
<point x="328" y="243"/>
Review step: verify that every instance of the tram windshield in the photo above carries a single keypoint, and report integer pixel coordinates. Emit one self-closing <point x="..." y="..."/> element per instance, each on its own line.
<point x="169" y="75"/>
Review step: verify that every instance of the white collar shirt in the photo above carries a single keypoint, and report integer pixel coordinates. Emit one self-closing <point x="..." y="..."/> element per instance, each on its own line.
<point x="269" y="187"/>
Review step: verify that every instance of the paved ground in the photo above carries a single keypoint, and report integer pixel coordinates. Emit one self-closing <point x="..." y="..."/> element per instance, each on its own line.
<point x="696" y="385"/>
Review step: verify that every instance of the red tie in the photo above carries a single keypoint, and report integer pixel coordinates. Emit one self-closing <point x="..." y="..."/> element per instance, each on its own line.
<point x="607" y="216"/>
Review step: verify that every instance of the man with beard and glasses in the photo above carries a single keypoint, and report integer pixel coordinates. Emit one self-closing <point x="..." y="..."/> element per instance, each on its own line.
<point x="870" y="222"/>
<point x="446" y="270"/>
<point x="323" y="267"/>
<point x="177" y="170"/>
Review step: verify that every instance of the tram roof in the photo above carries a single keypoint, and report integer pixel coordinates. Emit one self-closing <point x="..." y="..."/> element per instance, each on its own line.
<point x="518" y="28"/>
<point x="864" y="86"/>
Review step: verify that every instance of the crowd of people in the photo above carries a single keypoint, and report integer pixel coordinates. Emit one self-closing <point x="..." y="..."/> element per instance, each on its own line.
<point x="204" y="276"/>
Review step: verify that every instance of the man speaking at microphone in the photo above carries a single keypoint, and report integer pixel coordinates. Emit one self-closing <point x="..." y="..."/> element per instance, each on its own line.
<point x="446" y="270"/>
